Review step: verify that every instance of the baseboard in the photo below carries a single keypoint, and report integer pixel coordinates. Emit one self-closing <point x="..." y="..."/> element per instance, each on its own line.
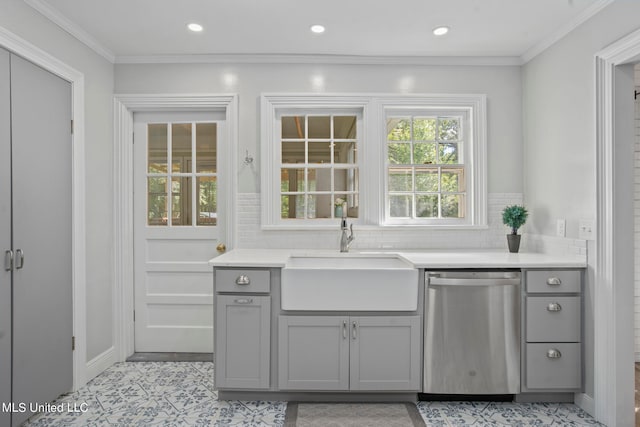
<point x="587" y="403"/>
<point x="100" y="363"/>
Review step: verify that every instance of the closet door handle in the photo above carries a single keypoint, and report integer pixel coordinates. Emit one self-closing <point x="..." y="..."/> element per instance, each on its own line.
<point x="19" y="259"/>
<point x="8" y="260"/>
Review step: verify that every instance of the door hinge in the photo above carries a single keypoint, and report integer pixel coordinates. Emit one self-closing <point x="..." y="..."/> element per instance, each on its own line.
<point x="73" y="343"/>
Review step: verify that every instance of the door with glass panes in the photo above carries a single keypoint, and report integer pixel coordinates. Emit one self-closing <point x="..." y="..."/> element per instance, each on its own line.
<point x="176" y="229"/>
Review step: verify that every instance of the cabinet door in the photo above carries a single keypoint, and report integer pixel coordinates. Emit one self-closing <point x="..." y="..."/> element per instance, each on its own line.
<point x="5" y="237"/>
<point x="385" y="353"/>
<point x="242" y="341"/>
<point x="313" y="353"/>
<point x="42" y="289"/>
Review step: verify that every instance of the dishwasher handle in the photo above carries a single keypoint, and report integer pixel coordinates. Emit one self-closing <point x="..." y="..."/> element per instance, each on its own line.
<point x="440" y="281"/>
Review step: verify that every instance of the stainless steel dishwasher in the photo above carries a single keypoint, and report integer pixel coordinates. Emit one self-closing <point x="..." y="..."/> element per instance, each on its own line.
<point x="472" y="332"/>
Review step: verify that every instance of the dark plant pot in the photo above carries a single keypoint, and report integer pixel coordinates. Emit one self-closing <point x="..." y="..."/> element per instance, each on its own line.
<point x="514" y="242"/>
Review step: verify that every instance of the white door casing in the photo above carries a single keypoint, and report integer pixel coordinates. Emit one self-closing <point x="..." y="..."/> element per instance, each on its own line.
<point x="124" y="108"/>
<point x="173" y="281"/>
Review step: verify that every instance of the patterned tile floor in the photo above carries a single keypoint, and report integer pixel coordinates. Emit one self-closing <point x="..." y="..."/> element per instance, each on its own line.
<point x="182" y="394"/>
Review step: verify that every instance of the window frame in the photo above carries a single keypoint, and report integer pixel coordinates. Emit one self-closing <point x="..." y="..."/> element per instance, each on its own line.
<point x="372" y="156"/>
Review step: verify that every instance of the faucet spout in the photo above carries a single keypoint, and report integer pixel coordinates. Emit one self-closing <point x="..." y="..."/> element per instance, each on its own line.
<point x="345" y="240"/>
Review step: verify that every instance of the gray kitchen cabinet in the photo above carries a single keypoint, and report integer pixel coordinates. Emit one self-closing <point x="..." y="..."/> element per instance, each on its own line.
<point x="242" y="341"/>
<point x="552" y="327"/>
<point x="373" y="353"/>
<point x="36" y="315"/>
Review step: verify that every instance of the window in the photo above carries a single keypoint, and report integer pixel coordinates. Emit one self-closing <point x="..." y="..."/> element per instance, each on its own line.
<point x="319" y="169"/>
<point x="190" y="149"/>
<point x="426" y="177"/>
<point x="396" y="160"/>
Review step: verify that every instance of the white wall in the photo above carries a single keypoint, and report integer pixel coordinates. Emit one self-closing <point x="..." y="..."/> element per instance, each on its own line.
<point x="559" y="134"/>
<point x="636" y="174"/>
<point x="502" y="84"/>
<point x="26" y="23"/>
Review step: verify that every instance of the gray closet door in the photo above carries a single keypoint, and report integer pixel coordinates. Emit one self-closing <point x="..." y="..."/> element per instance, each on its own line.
<point x="42" y="308"/>
<point x="5" y="237"/>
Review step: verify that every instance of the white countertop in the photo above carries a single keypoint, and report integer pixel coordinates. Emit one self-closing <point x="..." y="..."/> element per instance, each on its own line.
<point x="463" y="258"/>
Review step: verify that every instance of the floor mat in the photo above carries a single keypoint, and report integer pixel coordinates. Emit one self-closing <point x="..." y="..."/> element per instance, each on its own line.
<point x="352" y="415"/>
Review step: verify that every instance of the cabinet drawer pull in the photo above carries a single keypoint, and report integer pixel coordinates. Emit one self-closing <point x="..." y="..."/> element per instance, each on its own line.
<point x="554" y="353"/>
<point x="8" y="260"/>
<point x="243" y="280"/>
<point x="354" y="331"/>
<point x="554" y="281"/>
<point x="554" y="306"/>
<point x="344" y="329"/>
<point x="243" y="300"/>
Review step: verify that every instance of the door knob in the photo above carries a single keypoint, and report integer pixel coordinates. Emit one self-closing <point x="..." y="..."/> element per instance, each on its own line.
<point x="222" y="248"/>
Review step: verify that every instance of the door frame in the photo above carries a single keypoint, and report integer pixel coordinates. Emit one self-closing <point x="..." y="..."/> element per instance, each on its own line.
<point x="28" y="51"/>
<point x="613" y="290"/>
<point x="125" y="105"/>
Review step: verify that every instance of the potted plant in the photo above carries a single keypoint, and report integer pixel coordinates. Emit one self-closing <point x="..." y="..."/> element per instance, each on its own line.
<point x="514" y="216"/>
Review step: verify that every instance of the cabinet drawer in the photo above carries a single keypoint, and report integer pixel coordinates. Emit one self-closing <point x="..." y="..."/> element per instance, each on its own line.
<point x="242" y="280"/>
<point x="544" y="371"/>
<point x="553" y="281"/>
<point x="553" y="319"/>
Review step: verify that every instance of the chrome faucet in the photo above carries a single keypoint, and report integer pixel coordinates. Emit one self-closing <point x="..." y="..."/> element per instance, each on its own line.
<point x="345" y="240"/>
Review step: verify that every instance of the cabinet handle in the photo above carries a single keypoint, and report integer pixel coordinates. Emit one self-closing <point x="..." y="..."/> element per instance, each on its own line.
<point x="8" y="260"/>
<point x="243" y="300"/>
<point x="243" y="280"/>
<point x="554" y="306"/>
<point x="554" y="281"/>
<point x="344" y="329"/>
<point x="354" y="330"/>
<point x="19" y="257"/>
<point x="554" y="353"/>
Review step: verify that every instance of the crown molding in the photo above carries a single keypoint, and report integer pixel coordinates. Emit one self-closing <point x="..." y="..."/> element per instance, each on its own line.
<point x="321" y="59"/>
<point x="549" y="41"/>
<point x="72" y="28"/>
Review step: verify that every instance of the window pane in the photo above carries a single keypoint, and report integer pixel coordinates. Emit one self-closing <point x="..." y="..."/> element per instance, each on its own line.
<point x="448" y="153"/>
<point x="319" y="152"/>
<point x="345" y="180"/>
<point x="320" y="127"/>
<point x="344" y="152"/>
<point x="312" y="203"/>
<point x="206" y="147"/>
<point x="449" y="129"/>
<point x="427" y="206"/>
<point x="181" y="147"/>
<point x="344" y="127"/>
<point x="452" y="180"/>
<point x="398" y="129"/>
<point x="292" y="127"/>
<point x="293" y="152"/>
<point x="311" y="181"/>
<point x="451" y="206"/>
<point x="399" y="154"/>
<point x="400" y="180"/>
<point x="181" y="200"/>
<point x="207" y="197"/>
<point x="424" y="154"/>
<point x="319" y="179"/>
<point x="427" y="180"/>
<point x="157" y="201"/>
<point x="400" y="206"/>
<point x="291" y="180"/>
<point x="157" y="147"/>
<point x="292" y="206"/>
<point x="424" y="129"/>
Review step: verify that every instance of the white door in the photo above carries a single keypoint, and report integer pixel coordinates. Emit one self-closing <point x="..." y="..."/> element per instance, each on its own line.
<point x="176" y="229"/>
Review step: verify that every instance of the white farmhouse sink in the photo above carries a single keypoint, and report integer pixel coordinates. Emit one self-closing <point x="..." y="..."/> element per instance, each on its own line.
<point x="349" y="282"/>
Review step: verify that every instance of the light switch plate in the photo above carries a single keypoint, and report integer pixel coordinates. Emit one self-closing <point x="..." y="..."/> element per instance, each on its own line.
<point x="587" y="229"/>
<point x="561" y="228"/>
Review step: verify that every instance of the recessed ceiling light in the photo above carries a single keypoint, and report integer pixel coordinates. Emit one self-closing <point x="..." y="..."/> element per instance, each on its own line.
<point x="440" y="31"/>
<point x="317" y="28"/>
<point x="196" y="28"/>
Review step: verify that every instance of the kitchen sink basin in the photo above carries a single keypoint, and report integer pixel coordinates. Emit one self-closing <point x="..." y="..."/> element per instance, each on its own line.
<point x="349" y="282"/>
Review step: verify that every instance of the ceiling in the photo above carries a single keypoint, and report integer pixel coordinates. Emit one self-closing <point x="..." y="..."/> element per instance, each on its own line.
<point x="130" y="31"/>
